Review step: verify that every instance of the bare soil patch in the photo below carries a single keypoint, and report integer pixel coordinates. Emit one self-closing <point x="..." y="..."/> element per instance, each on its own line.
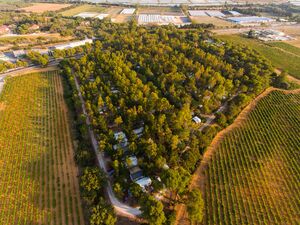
<point x="43" y="7"/>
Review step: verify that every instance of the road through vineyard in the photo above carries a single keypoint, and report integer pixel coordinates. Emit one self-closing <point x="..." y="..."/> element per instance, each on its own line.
<point x="38" y="176"/>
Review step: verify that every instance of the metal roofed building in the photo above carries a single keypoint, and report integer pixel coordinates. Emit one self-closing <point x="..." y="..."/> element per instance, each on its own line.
<point x="214" y="13"/>
<point x="128" y="11"/>
<point x="71" y="44"/>
<point x="101" y="16"/>
<point x="234" y="13"/>
<point x="197" y="13"/>
<point x="250" y="19"/>
<point x="87" y="15"/>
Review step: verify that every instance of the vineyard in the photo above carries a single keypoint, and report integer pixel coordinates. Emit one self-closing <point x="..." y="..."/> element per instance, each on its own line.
<point x="253" y="176"/>
<point x="38" y="176"/>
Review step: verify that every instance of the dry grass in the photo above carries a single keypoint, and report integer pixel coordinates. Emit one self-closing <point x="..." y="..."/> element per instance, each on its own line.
<point x="82" y="8"/>
<point x="161" y="11"/>
<point x="44" y="7"/>
<point x="215" y="21"/>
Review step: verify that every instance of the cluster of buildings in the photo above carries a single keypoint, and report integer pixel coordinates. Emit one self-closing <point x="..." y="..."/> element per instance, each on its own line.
<point x="232" y="16"/>
<point x="270" y="35"/>
<point x="16" y="54"/>
<point x="131" y="162"/>
<point x="250" y="20"/>
<point x="144" y="19"/>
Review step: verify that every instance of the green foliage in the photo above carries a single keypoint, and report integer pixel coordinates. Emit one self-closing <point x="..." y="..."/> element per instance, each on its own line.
<point x="38" y="58"/>
<point x="195" y="206"/>
<point x="102" y="214"/>
<point x="92" y="181"/>
<point x="152" y="210"/>
<point x="176" y="179"/>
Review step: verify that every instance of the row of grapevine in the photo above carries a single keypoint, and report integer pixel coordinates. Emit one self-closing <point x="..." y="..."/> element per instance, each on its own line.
<point x="254" y="175"/>
<point x="38" y="176"/>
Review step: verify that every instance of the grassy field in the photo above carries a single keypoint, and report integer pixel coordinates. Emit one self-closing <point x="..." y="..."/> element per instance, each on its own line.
<point x="283" y="56"/>
<point x="286" y="47"/>
<point x="38" y="182"/>
<point x="82" y="8"/>
<point x="253" y="176"/>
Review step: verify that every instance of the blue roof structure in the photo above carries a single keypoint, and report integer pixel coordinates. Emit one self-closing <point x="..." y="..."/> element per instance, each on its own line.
<point x="250" y="19"/>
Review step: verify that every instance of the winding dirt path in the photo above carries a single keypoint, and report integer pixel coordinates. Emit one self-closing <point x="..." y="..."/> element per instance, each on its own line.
<point x="199" y="179"/>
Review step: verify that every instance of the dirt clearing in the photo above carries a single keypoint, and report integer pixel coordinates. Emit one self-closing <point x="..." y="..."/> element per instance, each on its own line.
<point x="44" y="7"/>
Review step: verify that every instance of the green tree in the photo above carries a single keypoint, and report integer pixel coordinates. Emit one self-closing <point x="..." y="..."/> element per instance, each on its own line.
<point x="102" y="214"/>
<point x="92" y="181"/>
<point x="195" y="206"/>
<point x="152" y="210"/>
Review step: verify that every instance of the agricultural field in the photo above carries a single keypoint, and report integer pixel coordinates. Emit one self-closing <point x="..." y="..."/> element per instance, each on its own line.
<point x="82" y="8"/>
<point x="213" y="20"/>
<point x="282" y="56"/>
<point x="38" y="176"/>
<point x="253" y="174"/>
<point x="43" y="7"/>
<point x="176" y="11"/>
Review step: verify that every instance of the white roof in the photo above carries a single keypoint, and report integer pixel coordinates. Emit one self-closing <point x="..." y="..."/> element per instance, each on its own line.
<point x="131" y="161"/>
<point x="101" y="16"/>
<point x="128" y="11"/>
<point x="196" y="119"/>
<point x="234" y="13"/>
<point x="214" y="13"/>
<point x="86" y="14"/>
<point x="138" y="131"/>
<point x="197" y="13"/>
<point x="120" y="136"/>
<point x="144" y="182"/>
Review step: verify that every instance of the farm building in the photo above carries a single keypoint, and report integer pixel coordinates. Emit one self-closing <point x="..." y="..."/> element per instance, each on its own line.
<point x="197" y="13"/>
<point x="101" y="16"/>
<point x="234" y="13"/>
<point x="87" y="15"/>
<point x="214" y="13"/>
<point x="250" y="19"/>
<point x="71" y="44"/>
<point x="162" y="19"/>
<point x="128" y="11"/>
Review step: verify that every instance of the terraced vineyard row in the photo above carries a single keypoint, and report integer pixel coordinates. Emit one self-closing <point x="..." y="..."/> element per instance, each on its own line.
<point x="254" y="174"/>
<point x="38" y="176"/>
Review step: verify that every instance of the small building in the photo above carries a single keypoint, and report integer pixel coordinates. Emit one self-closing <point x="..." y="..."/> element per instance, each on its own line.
<point x="144" y="182"/>
<point x="128" y="11"/>
<point x="139" y="131"/>
<point x="196" y="119"/>
<point x="136" y="173"/>
<point x="19" y="53"/>
<point x="131" y="161"/>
